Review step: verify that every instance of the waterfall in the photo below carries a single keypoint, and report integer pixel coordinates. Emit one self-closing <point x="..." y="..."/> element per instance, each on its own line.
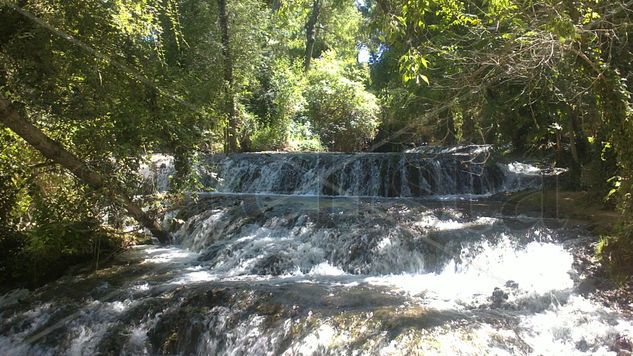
<point x="425" y="172"/>
<point x="312" y="254"/>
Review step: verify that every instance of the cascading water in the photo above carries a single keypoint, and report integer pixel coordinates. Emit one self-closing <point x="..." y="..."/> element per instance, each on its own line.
<point x="411" y="174"/>
<point x="335" y="265"/>
<point x="429" y="171"/>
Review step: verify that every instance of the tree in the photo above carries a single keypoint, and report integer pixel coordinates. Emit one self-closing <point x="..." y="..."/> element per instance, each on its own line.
<point x="231" y="131"/>
<point x="551" y="77"/>
<point x="311" y="30"/>
<point x="57" y="153"/>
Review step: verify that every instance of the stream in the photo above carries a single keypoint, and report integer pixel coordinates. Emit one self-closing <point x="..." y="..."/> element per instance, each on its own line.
<point x="330" y="254"/>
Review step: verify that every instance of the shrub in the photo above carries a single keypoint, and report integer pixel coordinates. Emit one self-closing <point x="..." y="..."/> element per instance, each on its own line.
<point x="303" y="138"/>
<point x="341" y="111"/>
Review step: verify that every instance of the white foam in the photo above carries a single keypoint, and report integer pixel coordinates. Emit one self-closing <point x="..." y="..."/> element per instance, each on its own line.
<point x="326" y="269"/>
<point x="538" y="268"/>
<point x="564" y="329"/>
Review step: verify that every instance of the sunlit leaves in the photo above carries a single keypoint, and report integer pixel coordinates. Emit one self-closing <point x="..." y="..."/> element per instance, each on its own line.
<point x="135" y="18"/>
<point x="142" y="20"/>
<point x="338" y="107"/>
<point x="564" y="28"/>
<point x="413" y="66"/>
<point x="499" y="10"/>
<point x="616" y="183"/>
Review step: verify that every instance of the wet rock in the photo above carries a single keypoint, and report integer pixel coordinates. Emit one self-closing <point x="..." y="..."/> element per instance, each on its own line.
<point x="512" y="284"/>
<point x="592" y="284"/>
<point x="251" y="208"/>
<point x="274" y="265"/>
<point x="114" y="340"/>
<point x="499" y="296"/>
<point x="14" y="297"/>
<point x="582" y="346"/>
<point x="210" y="252"/>
<point x="623" y="346"/>
<point x="586" y="286"/>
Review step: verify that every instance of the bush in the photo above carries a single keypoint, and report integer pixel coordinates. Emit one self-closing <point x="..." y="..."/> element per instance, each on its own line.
<point x="269" y="138"/>
<point x="271" y="106"/>
<point x="302" y="138"/>
<point x="341" y="111"/>
<point x="616" y="253"/>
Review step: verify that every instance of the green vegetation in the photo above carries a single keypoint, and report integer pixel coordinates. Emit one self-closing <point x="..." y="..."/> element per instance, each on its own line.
<point x="114" y="81"/>
<point x="343" y="114"/>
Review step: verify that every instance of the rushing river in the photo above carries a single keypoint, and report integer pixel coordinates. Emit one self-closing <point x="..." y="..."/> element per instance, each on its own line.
<point x="386" y="254"/>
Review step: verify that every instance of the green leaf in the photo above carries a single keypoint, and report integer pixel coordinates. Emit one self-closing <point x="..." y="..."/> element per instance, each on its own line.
<point x="425" y="79"/>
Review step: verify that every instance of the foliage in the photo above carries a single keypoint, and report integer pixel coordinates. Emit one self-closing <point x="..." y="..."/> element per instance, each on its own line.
<point x="342" y="113"/>
<point x="616" y="254"/>
<point x="339" y="28"/>
<point x="48" y="220"/>
<point x="303" y="138"/>
<point x="273" y="103"/>
<point x="92" y="76"/>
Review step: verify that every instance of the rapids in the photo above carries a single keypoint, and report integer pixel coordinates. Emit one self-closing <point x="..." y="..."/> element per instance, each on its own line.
<point x="306" y="254"/>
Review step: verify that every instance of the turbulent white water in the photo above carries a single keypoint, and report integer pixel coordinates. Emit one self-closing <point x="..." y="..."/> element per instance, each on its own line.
<point x="312" y="275"/>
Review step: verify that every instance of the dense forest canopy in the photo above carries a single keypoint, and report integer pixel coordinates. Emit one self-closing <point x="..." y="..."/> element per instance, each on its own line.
<point x="112" y="81"/>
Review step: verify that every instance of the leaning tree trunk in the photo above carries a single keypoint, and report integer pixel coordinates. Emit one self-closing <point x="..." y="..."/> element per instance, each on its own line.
<point x="56" y="152"/>
<point x="229" y="100"/>
<point x="311" y="33"/>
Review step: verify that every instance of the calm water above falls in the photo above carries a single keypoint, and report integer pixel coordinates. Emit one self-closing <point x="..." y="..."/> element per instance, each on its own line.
<point x="336" y="271"/>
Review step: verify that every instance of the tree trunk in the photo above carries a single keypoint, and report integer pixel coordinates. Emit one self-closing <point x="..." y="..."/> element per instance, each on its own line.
<point x="578" y="150"/>
<point x="229" y="100"/>
<point x="274" y="5"/>
<point x="311" y="32"/>
<point x="451" y="132"/>
<point x="468" y="130"/>
<point x="446" y="118"/>
<point x="54" y="151"/>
